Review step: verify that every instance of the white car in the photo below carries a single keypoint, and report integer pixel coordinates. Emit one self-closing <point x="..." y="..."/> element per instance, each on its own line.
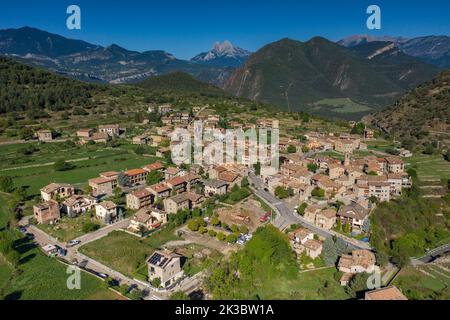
<point x="248" y="237"/>
<point x="241" y="242"/>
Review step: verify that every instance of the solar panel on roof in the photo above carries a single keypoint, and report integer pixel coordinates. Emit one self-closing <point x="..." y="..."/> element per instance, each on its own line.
<point x="155" y="258"/>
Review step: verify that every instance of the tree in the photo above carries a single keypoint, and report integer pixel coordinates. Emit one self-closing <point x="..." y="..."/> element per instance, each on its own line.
<point x="291" y="149"/>
<point x="257" y="167"/>
<point x="244" y="182"/>
<point x="212" y="233"/>
<point x="123" y="180"/>
<point x="193" y="225"/>
<point x="156" y="283"/>
<point x="26" y="133"/>
<point x="215" y="221"/>
<point x="359" y="128"/>
<point x="243" y="229"/>
<point x="154" y="177"/>
<point x="62" y="165"/>
<point x="318" y="193"/>
<point x="346" y="228"/>
<point x="179" y="296"/>
<point x="312" y="167"/>
<point x="202" y="230"/>
<point x="139" y="150"/>
<point x="6" y="184"/>
<point x="358" y="285"/>
<point x="329" y="252"/>
<point x="281" y="192"/>
<point x="301" y="209"/>
<point x="305" y="149"/>
<point x="231" y="238"/>
<point x="221" y="237"/>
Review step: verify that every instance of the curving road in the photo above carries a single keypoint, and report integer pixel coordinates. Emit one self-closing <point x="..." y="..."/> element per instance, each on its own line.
<point x="285" y="217"/>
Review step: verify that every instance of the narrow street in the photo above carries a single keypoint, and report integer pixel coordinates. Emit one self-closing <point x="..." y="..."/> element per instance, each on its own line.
<point x="285" y="217"/>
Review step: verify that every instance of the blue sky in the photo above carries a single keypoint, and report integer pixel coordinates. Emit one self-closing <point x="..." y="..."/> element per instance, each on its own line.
<point x="186" y="28"/>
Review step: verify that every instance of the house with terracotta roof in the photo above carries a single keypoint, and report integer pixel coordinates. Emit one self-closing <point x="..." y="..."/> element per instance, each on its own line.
<point x="177" y="184"/>
<point x="57" y="190"/>
<point x="139" y="199"/>
<point x="160" y="190"/>
<point x="358" y="261"/>
<point x="232" y="179"/>
<point x="156" y="166"/>
<point x="389" y="293"/>
<point x="173" y="172"/>
<point x="136" y="176"/>
<point x="147" y="218"/>
<point x="102" y="186"/>
<point x="47" y="212"/>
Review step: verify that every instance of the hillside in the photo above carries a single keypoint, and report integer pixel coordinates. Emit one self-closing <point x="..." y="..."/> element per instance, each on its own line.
<point x="421" y="117"/>
<point x="182" y="84"/>
<point x="300" y="76"/>
<point x="24" y="88"/>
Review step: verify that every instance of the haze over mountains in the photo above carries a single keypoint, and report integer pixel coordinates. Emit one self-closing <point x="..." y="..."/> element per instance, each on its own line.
<point x="349" y="78"/>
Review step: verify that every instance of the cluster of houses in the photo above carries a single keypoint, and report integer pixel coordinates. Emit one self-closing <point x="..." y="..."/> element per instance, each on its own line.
<point x="352" y="182"/>
<point x="179" y="190"/>
<point x="58" y="198"/>
<point x="103" y="134"/>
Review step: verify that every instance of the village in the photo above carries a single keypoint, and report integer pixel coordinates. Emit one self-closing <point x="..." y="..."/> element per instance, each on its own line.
<point x="327" y="185"/>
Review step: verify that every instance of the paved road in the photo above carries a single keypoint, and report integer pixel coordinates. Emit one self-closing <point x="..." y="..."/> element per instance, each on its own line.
<point x="432" y="255"/>
<point x="286" y="217"/>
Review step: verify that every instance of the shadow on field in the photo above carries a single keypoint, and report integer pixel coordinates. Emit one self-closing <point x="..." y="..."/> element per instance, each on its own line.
<point x="16" y="295"/>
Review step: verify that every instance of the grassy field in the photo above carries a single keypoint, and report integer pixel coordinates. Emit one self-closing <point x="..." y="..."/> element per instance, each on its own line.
<point x="4" y="214"/>
<point x="98" y="161"/>
<point x="44" y="278"/>
<point x="429" y="284"/>
<point x="380" y="145"/>
<point x="429" y="167"/>
<point x="308" y="286"/>
<point x="69" y="228"/>
<point x="343" y="105"/>
<point x="124" y="252"/>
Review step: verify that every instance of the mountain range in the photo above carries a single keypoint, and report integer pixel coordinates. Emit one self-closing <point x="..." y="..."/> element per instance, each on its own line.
<point x="350" y="78"/>
<point x="88" y="62"/>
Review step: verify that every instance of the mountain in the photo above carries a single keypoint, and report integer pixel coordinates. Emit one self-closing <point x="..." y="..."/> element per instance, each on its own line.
<point x="88" y="62"/>
<point x="420" y="117"/>
<point x="317" y="76"/>
<point x="431" y="49"/>
<point x="357" y="40"/>
<point x="223" y="55"/>
<point x="181" y="84"/>
<point x="388" y="59"/>
<point x="33" y="42"/>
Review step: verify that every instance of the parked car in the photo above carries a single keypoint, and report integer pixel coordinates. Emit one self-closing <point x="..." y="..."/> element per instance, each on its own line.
<point x="102" y="275"/>
<point x="23" y="229"/>
<point x="73" y="243"/>
<point x="241" y="241"/>
<point x="248" y="236"/>
<point x="30" y="236"/>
